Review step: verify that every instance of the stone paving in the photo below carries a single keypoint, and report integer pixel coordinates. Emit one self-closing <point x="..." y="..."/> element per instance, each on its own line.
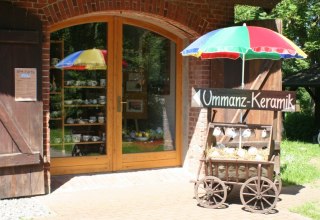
<point x="153" y="194"/>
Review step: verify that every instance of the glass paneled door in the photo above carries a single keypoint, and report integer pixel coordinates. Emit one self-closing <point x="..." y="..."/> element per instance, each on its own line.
<point x="121" y="117"/>
<point x="79" y="98"/>
<point x="78" y="91"/>
<point x="149" y="96"/>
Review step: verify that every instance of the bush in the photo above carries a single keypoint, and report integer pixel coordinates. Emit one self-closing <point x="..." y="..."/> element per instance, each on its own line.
<point x="299" y="126"/>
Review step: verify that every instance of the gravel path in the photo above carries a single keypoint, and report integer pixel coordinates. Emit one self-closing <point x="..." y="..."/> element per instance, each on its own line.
<point x="166" y="191"/>
<point x="23" y="208"/>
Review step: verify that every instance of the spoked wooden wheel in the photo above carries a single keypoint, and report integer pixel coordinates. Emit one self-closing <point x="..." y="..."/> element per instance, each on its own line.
<point x="259" y="196"/>
<point x="210" y="192"/>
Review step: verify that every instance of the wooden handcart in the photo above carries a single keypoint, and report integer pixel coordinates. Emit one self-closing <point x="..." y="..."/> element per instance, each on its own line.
<point x="228" y="161"/>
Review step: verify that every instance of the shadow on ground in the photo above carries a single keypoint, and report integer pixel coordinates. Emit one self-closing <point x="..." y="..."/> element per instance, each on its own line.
<point x="58" y="181"/>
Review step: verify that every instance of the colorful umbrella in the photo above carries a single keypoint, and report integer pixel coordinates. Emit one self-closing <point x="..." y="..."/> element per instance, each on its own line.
<point x="91" y="59"/>
<point x="245" y="42"/>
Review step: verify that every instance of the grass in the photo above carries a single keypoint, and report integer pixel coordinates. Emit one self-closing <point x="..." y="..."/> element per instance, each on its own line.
<point x="300" y="164"/>
<point x="132" y="147"/>
<point x="309" y="209"/>
<point x="297" y="166"/>
<point x="67" y="148"/>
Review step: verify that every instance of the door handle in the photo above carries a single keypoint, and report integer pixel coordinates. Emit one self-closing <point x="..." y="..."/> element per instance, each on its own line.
<point x="119" y="103"/>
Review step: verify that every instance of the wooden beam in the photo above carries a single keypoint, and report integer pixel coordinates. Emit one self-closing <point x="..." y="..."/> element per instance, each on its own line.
<point x="311" y="93"/>
<point x="18" y="159"/>
<point x="19" y="37"/>
<point x="256" y="85"/>
<point x="14" y="130"/>
<point x="317" y="107"/>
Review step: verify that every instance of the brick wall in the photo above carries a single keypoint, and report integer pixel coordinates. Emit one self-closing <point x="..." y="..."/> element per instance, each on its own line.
<point x="192" y="17"/>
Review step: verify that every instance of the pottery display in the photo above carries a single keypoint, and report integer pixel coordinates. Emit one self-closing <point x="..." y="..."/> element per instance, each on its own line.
<point x="86" y="137"/>
<point x="76" y="138"/>
<point x="95" y="138"/>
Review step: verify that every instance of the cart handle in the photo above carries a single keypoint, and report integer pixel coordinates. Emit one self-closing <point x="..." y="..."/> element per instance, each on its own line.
<point x="272" y="158"/>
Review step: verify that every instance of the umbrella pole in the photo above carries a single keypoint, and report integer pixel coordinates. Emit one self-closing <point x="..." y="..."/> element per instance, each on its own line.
<point x="242" y="80"/>
<point x="242" y="76"/>
<point x="242" y="87"/>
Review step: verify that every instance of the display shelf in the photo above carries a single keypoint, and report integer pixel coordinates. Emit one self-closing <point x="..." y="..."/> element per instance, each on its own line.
<point x="55" y="119"/>
<point x="87" y="142"/>
<point x="85" y="124"/>
<point x="85" y="106"/>
<point x="55" y="93"/>
<point x="82" y="90"/>
<point x="238" y="141"/>
<point x="256" y="136"/>
<point x="84" y="87"/>
<point x="52" y="144"/>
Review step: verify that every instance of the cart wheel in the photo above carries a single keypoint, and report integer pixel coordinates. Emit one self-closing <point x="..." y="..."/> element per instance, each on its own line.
<point x="210" y="192"/>
<point x="259" y="198"/>
<point x="278" y="182"/>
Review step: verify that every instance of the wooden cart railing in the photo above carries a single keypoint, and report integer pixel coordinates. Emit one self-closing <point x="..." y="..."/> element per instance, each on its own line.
<point x="260" y="185"/>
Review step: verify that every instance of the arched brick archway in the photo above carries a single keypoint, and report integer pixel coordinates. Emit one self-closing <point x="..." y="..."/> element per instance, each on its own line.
<point x="180" y="20"/>
<point x="171" y="14"/>
<point x="188" y="21"/>
<point x="192" y="17"/>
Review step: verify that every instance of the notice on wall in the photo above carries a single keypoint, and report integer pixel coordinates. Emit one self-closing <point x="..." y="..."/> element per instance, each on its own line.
<point x="25" y="84"/>
<point x="244" y="99"/>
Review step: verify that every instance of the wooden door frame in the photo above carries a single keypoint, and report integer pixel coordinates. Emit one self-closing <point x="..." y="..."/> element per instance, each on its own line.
<point x="150" y="159"/>
<point x="114" y="159"/>
<point x="101" y="163"/>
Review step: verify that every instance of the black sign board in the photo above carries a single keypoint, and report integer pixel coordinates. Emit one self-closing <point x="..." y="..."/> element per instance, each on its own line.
<point x="244" y="99"/>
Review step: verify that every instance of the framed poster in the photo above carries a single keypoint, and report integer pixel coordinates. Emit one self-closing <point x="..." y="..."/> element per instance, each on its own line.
<point x="134" y="105"/>
<point x="25" y="84"/>
<point x="133" y="86"/>
<point x="135" y="76"/>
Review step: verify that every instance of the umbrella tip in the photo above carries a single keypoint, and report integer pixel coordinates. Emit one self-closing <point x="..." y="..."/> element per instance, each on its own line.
<point x="244" y="24"/>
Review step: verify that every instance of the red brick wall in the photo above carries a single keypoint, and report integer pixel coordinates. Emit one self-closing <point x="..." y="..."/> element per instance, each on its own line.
<point x="193" y="17"/>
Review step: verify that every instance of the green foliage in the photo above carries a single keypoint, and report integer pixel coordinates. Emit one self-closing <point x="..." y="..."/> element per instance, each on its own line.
<point x="147" y="53"/>
<point x="299" y="126"/>
<point x="55" y="133"/>
<point x="296" y="162"/>
<point x="301" y="24"/>
<point x="309" y="209"/>
<point x="306" y="103"/>
<point x="247" y="13"/>
<point x="60" y="148"/>
<point x="82" y="37"/>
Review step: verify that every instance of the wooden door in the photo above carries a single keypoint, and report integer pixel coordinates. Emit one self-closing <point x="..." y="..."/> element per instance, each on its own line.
<point x="144" y="107"/>
<point x="21" y="122"/>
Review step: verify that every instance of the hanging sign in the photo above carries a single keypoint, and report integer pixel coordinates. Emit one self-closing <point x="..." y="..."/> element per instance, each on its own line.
<point x="244" y="99"/>
<point x="25" y="84"/>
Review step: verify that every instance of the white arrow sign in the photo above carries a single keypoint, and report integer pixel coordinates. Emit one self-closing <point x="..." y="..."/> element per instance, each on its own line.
<point x="196" y="100"/>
